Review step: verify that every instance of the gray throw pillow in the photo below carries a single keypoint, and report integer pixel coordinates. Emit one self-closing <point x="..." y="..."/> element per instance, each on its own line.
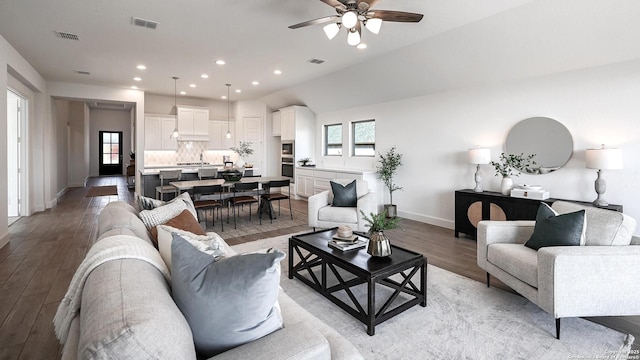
<point x="556" y="230"/>
<point x="228" y="302"/>
<point x="344" y="195"/>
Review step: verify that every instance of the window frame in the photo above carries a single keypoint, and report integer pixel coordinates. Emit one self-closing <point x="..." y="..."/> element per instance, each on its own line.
<point x="354" y="145"/>
<point x="326" y="139"/>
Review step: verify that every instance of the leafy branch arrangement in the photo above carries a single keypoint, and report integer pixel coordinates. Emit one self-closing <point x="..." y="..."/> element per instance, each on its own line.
<point x="513" y="164"/>
<point x="244" y="149"/>
<point x="379" y="222"/>
<point x="387" y="167"/>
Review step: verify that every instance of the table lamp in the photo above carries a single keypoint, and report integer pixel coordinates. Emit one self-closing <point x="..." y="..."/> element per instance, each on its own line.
<point x="479" y="156"/>
<point x="603" y="159"/>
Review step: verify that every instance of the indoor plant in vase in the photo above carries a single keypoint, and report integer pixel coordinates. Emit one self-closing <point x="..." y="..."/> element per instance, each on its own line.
<point x="243" y="149"/>
<point x="511" y="165"/>
<point x="387" y="168"/>
<point x="379" y="245"/>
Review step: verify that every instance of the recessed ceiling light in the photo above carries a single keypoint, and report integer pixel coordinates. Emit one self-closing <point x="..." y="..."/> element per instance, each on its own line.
<point x="277" y="72"/>
<point x="362" y="46"/>
<point x="192" y="85"/>
<point x="223" y="96"/>
<point x="134" y="87"/>
<point x="255" y="83"/>
<point x="183" y="93"/>
<point x="238" y="91"/>
<point x="220" y="62"/>
<point x="141" y="67"/>
<point x="137" y="78"/>
<point x="204" y="76"/>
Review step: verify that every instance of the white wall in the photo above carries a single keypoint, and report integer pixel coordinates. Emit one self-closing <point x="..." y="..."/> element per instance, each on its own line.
<point x="77" y="170"/>
<point x="598" y="105"/>
<point x="63" y="130"/>
<point x="108" y="120"/>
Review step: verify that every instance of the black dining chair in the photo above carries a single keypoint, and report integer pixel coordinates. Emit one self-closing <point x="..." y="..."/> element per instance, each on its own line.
<point x="243" y="193"/>
<point x="204" y="199"/>
<point x="268" y="196"/>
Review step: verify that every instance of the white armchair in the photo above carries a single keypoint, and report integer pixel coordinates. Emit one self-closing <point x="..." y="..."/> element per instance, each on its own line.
<point x="323" y="215"/>
<point x="597" y="279"/>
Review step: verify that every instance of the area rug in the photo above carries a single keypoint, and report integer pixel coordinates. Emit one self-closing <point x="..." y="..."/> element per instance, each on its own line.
<point x="102" y="191"/>
<point x="245" y="226"/>
<point x="463" y="320"/>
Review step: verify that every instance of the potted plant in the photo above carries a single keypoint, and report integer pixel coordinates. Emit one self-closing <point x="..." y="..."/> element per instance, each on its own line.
<point x="243" y="149"/>
<point x="510" y="165"/>
<point x="304" y="161"/>
<point x="379" y="245"/>
<point x="387" y="168"/>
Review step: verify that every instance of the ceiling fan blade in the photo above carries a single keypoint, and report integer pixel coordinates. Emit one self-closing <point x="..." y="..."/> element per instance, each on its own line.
<point x="321" y="20"/>
<point x="371" y="3"/>
<point x="335" y="3"/>
<point x="398" y="16"/>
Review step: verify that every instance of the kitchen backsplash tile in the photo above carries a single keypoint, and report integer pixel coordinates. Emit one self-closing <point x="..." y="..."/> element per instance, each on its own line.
<point x="188" y="151"/>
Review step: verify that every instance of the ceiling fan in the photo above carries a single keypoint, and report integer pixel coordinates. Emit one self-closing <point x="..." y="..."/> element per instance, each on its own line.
<point x="353" y="14"/>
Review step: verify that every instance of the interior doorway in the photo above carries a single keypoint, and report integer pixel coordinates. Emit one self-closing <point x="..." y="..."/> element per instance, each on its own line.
<point x="16" y="116"/>
<point x="110" y="153"/>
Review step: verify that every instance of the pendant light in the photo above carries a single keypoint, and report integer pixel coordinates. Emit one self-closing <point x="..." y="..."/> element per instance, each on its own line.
<point x="228" y="134"/>
<point x="175" y="106"/>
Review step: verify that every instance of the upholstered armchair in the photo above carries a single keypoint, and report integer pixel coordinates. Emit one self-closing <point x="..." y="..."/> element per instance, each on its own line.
<point x="598" y="278"/>
<point x="323" y="215"/>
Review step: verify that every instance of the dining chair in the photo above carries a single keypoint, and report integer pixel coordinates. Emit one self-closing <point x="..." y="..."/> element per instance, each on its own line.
<point x="166" y="176"/>
<point x="243" y="193"/>
<point x="270" y="196"/>
<point x="208" y="203"/>
<point x="207" y="173"/>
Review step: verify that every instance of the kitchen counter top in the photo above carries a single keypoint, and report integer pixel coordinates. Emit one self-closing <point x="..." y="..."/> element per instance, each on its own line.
<point x="341" y="170"/>
<point x="186" y="169"/>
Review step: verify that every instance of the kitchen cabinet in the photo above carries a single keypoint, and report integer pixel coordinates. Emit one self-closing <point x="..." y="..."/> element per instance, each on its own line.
<point x="315" y="180"/>
<point x="193" y="121"/>
<point x="157" y="133"/>
<point x="304" y="182"/>
<point x="276" y="129"/>
<point x="296" y="123"/>
<point x="217" y="130"/>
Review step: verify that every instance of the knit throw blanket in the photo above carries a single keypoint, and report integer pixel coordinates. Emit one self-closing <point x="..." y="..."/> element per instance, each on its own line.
<point x="112" y="248"/>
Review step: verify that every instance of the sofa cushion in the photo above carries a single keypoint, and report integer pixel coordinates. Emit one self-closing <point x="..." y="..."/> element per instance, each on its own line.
<point x="229" y="302"/>
<point x="127" y="313"/>
<point x="120" y="218"/>
<point x="604" y="227"/>
<point x="346" y="215"/>
<point x="183" y="221"/>
<point x="556" y="230"/>
<point x="516" y="259"/>
<point x="211" y="243"/>
<point x="344" y="195"/>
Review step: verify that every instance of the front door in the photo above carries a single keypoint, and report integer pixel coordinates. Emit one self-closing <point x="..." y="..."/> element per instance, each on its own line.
<point x="110" y="153"/>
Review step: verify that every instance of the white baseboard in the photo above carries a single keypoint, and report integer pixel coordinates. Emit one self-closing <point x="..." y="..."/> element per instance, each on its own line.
<point x="52" y="203"/>
<point x="4" y="240"/>
<point x="448" y="224"/>
<point x="62" y="192"/>
<point x="39" y="207"/>
<point x="72" y="185"/>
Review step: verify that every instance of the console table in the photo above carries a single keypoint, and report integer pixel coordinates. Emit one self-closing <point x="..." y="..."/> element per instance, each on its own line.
<point x="471" y="207"/>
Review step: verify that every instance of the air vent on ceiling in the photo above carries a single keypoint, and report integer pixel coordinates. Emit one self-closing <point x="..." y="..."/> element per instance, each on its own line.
<point x="66" y="35"/>
<point x="315" y="61"/>
<point x="81" y="72"/>
<point x="144" y="23"/>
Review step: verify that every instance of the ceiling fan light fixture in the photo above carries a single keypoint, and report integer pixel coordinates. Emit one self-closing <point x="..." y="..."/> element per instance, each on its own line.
<point x="349" y="19"/>
<point x="332" y="30"/>
<point x="353" y="38"/>
<point x="373" y="25"/>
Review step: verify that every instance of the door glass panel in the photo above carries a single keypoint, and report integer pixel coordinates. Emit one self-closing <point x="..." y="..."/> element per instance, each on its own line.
<point x="106" y="159"/>
<point x="106" y="138"/>
<point x="114" y="158"/>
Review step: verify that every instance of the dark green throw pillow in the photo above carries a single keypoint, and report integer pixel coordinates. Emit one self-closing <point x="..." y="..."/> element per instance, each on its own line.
<point x="344" y="195"/>
<point x="556" y="230"/>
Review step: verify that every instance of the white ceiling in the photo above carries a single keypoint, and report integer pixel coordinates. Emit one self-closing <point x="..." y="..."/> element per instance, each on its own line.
<point x="458" y="43"/>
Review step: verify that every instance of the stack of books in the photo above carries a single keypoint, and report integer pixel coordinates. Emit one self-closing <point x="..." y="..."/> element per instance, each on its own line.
<point x="530" y="192"/>
<point x="345" y="244"/>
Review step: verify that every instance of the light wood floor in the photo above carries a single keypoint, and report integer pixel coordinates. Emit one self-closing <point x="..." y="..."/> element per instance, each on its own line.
<point x="46" y="248"/>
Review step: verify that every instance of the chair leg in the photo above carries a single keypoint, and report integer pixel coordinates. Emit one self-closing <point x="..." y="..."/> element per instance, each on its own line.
<point x="488" y="280"/>
<point x="235" y="226"/>
<point x="290" y="212"/>
<point x="558" y="328"/>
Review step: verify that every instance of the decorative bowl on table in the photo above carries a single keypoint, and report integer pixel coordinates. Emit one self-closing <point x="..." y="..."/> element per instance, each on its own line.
<point x="231" y="175"/>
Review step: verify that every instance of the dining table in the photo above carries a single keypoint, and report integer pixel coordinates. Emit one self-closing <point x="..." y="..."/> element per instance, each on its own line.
<point x="264" y="207"/>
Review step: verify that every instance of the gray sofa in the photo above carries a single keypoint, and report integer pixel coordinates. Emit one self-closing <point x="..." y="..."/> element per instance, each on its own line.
<point x="127" y="313"/>
<point x="597" y="279"/>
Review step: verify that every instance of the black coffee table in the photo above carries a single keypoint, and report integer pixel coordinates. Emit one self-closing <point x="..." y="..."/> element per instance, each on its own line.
<point x="316" y="261"/>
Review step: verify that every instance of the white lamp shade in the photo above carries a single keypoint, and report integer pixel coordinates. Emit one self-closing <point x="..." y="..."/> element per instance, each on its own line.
<point x="479" y="156"/>
<point x="331" y="30"/>
<point x="353" y="38"/>
<point x="604" y="159"/>
<point x="349" y="19"/>
<point x="374" y="25"/>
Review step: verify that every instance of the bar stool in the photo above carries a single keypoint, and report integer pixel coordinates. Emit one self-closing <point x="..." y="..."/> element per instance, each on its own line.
<point x="167" y="176"/>
<point x="207" y="173"/>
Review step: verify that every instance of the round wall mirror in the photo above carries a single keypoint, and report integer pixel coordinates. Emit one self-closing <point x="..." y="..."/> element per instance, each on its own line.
<point x="548" y="139"/>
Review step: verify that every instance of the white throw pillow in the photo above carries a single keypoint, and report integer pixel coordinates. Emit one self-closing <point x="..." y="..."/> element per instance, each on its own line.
<point x="211" y="244"/>
<point x="168" y="211"/>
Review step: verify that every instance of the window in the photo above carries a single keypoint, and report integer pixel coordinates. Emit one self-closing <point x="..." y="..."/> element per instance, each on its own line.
<point x="364" y="138"/>
<point x="333" y="140"/>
